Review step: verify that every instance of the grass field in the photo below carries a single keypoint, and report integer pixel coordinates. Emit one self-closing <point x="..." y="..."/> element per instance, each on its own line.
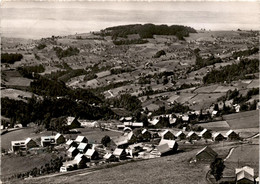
<point x="244" y="155"/>
<point x="216" y="126"/>
<point x="14" y="93"/>
<point x="13" y="164"/>
<point x="249" y="119"/>
<point x="254" y="84"/>
<point x="169" y="169"/>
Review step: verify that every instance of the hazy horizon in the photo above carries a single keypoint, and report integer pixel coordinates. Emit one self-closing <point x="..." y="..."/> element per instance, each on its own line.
<point x="43" y="19"/>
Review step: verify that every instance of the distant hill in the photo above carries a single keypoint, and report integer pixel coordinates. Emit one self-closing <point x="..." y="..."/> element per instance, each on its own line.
<point x="147" y="31"/>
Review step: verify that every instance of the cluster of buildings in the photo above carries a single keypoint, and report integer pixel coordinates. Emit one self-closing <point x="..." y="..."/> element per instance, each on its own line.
<point x="23" y="145"/>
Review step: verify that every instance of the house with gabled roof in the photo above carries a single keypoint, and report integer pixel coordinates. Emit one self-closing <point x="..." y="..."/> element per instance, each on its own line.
<point x="92" y="154"/>
<point x="70" y="143"/>
<point x="217" y="137"/>
<point x="120" y="153"/>
<point x="232" y="135"/>
<point x="171" y="143"/>
<point x="72" y="152"/>
<point x="81" y="139"/>
<point x="244" y="177"/>
<point x="59" y="139"/>
<point x="22" y="145"/>
<point x="83" y="147"/>
<point x="164" y="149"/>
<point x="166" y="134"/>
<point x="206" y="154"/>
<point x="245" y="168"/>
<point x="52" y="140"/>
<point x="180" y="135"/>
<point x="109" y="157"/>
<point x="73" y="122"/>
<point x="205" y="133"/>
<point x="77" y="163"/>
<point x="192" y="136"/>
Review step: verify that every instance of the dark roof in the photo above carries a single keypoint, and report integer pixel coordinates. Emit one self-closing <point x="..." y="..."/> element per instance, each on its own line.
<point x="209" y="151"/>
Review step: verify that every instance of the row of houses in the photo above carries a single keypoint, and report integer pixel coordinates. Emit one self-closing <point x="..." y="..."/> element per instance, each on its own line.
<point x="22" y="145"/>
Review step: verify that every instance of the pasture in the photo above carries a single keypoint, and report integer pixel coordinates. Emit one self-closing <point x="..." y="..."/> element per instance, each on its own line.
<point x="243" y="155"/>
<point x="249" y="119"/>
<point x="159" y="170"/>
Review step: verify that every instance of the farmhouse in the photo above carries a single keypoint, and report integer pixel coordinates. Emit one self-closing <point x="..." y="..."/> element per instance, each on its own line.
<point x="231" y="135"/>
<point x="72" y="152"/>
<point x="192" y="136"/>
<point x="180" y="135"/>
<point x="120" y="153"/>
<point x="205" y="134"/>
<point x="109" y="157"/>
<point x="72" y="122"/>
<point x="246" y="169"/>
<point x="23" y="144"/>
<point x="80" y="139"/>
<point x="167" y="135"/>
<point x="185" y="118"/>
<point x="217" y="137"/>
<point x="59" y="139"/>
<point x="92" y="154"/>
<point x="206" y="154"/>
<point x="78" y="162"/>
<point x="126" y="119"/>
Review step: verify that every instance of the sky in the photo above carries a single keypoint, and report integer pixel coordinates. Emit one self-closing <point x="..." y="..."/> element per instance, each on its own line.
<point x="33" y="19"/>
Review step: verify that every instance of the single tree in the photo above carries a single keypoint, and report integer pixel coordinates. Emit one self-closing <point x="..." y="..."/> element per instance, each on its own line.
<point x="105" y="140"/>
<point x="217" y="167"/>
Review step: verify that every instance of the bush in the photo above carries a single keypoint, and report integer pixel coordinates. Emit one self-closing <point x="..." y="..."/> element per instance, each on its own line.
<point x="159" y="54"/>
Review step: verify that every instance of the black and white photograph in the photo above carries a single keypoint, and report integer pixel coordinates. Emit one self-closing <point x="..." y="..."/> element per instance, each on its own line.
<point x="129" y="91"/>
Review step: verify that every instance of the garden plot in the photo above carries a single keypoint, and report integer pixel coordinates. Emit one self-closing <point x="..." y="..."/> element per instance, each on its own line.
<point x="216" y="126"/>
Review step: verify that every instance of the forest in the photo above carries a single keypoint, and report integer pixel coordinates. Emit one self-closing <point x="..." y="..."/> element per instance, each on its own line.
<point x="10" y="58"/>
<point x="148" y="30"/>
<point x="232" y="72"/>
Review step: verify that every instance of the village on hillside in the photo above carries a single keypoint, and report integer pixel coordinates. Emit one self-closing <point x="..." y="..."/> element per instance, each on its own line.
<point x="134" y="103"/>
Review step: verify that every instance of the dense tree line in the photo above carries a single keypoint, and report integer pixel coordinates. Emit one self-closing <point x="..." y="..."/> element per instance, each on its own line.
<point x="43" y="111"/>
<point x="200" y="62"/>
<point x="67" y="52"/>
<point x="147" y="31"/>
<point x="115" y="71"/>
<point x="10" y="58"/>
<point x="130" y="42"/>
<point x="232" y="72"/>
<point x="247" y="52"/>
<point x="131" y="103"/>
<point x="29" y="71"/>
